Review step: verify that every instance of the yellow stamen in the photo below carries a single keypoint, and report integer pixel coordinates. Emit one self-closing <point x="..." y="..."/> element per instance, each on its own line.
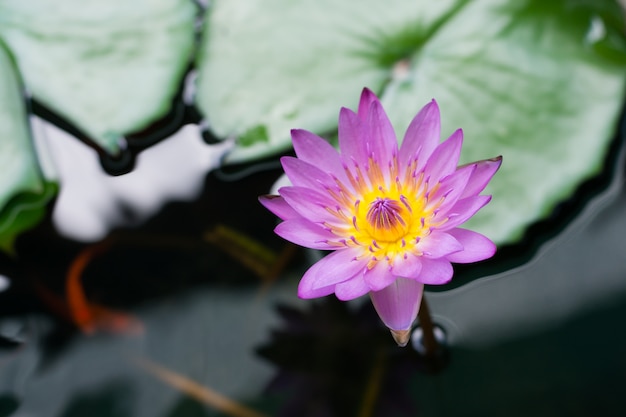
<point x="385" y="211"/>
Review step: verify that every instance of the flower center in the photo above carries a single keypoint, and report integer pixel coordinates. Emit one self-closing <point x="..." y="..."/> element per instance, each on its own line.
<point x="386" y="220"/>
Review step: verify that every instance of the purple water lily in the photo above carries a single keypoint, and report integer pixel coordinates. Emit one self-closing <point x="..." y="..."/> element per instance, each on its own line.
<point x="389" y="213"/>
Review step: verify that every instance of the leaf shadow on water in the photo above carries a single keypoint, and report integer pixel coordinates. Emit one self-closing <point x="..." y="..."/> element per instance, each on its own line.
<point x="113" y="400"/>
<point x="187" y="407"/>
<point x="577" y="369"/>
<point x="8" y="404"/>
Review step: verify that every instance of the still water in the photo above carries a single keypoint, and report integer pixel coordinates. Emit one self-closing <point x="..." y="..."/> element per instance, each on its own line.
<point x="193" y="312"/>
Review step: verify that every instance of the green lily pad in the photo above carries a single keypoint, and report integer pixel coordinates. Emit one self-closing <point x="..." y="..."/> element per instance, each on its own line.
<point x="284" y="65"/>
<point x="540" y="83"/>
<point x="108" y="67"/>
<point x="23" y="191"/>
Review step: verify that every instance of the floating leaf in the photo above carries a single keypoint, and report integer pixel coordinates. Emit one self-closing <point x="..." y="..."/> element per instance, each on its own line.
<point x="288" y="65"/>
<point x="108" y="67"/>
<point x="23" y="191"/>
<point x="539" y="82"/>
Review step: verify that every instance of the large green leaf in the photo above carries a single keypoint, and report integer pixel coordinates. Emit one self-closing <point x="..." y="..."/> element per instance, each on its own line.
<point x="273" y="65"/>
<point x="524" y="81"/>
<point x="109" y="67"/>
<point x="23" y="192"/>
<point x="538" y="82"/>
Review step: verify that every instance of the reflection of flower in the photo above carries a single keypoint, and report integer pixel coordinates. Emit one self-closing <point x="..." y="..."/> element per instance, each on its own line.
<point x="333" y="360"/>
<point x="390" y="214"/>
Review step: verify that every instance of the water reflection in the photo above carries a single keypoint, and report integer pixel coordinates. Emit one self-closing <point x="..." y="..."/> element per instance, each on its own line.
<point x="111" y="400"/>
<point x="228" y="323"/>
<point x="91" y="202"/>
<point x="334" y="360"/>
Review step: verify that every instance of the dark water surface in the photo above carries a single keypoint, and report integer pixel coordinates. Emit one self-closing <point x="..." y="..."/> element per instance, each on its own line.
<point x="201" y="318"/>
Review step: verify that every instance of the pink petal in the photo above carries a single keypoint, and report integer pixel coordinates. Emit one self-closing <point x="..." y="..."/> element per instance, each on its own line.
<point x="398" y="304"/>
<point x="407" y="266"/>
<point x="422" y="136"/>
<point x="305" y="233"/>
<point x="476" y="247"/>
<point x="382" y="142"/>
<point x="303" y="174"/>
<point x="352" y="138"/>
<point x="438" y="244"/>
<point x="444" y="158"/>
<point x="463" y="210"/>
<point x="310" y="204"/>
<point x="334" y="268"/>
<point x="380" y="276"/>
<point x="352" y="288"/>
<point x="367" y="98"/>
<point x="450" y="189"/>
<point x="481" y="176"/>
<point x="318" y="292"/>
<point x="435" y="271"/>
<point x="318" y="152"/>
<point x="277" y="205"/>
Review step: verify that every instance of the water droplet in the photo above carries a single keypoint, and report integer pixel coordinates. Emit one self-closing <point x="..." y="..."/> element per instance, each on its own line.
<point x="418" y="335"/>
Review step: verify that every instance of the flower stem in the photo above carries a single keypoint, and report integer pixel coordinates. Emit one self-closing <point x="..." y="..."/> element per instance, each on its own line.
<point x="428" y="336"/>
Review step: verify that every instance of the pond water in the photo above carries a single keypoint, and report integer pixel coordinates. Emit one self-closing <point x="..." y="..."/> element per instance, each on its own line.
<point x="194" y="313"/>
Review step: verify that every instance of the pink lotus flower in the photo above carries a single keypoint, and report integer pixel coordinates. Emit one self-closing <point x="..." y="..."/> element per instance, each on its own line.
<point x="390" y="215"/>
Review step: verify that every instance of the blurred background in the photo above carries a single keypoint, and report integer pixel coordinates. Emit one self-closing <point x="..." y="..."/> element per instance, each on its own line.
<point x="139" y="275"/>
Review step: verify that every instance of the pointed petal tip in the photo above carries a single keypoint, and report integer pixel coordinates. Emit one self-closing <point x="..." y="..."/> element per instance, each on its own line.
<point x="497" y="160"/>
<point x="344" y="110"/>
<point x="366" y="92"/>
<point x="295" y="133"/>
<point x="367" y="98"/>
<point x="268" y="199"/>
<point x="285" y="159"/>
<point x="433" y="103"/>
<point x="263" y="197"/>
<point x="491" y="162"/>
<point x="304" y="137"/>
<point x="401" y="337"/>
<point x="299" y="131"/>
